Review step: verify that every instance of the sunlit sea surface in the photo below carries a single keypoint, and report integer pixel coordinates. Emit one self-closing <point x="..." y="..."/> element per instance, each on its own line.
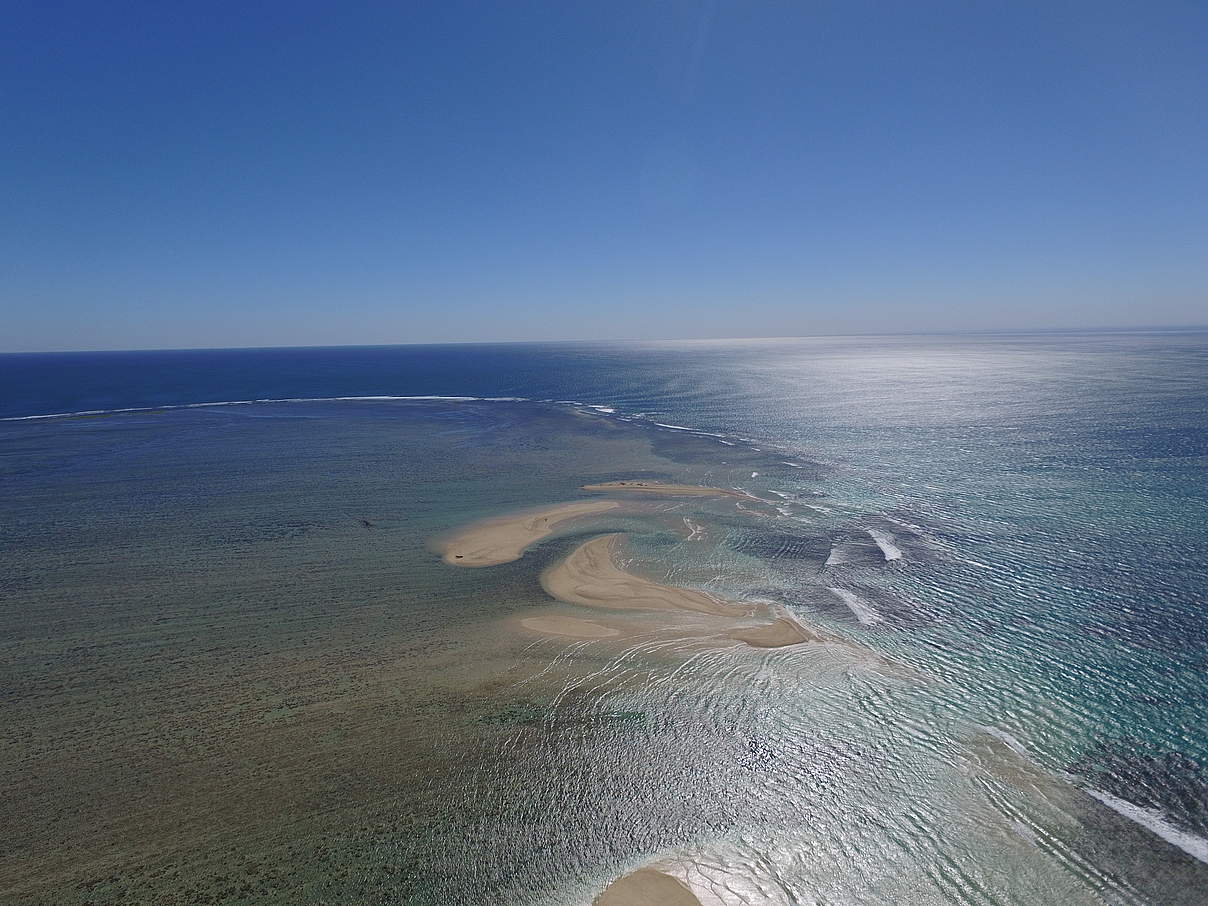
<point x="234" y="671"/>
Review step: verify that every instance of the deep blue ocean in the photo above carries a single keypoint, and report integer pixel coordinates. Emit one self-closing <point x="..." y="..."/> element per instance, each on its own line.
<point x="1041" y="500"/>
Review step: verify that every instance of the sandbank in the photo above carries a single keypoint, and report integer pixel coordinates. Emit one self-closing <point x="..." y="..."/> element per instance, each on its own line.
<point x="589" y="576"/>
<point x="784" y="631"/>
<point x="671" y="490"/>
<point x="569" y="626"/>
<point x="647" y="887"/>
<point x="503" y="539"/>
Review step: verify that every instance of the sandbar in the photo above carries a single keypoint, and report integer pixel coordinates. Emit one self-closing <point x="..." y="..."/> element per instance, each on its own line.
<point x="503" y="539"/>
<point x="647" y="887"/>
<point x="784" y="631"/>
<point x="569" y="626"/>
<point x="589" y="576"/>
<point x="671" y="490"/>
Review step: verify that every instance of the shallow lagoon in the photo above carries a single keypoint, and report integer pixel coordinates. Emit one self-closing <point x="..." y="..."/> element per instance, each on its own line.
<point x="235" y="672"/>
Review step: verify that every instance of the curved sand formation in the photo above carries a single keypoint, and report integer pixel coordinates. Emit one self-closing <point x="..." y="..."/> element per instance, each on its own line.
<point x="784" y="631"/>
<point x="671" y="490"/>
<point x="590" y="577"/>
<point x="504" y="538"/>
<point x="646" y="887"/>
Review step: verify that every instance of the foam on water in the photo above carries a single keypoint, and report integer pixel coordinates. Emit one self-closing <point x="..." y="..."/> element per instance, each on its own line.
<point x="1007" y="739"/>
<point x="885" y="542"/>
<point x="864" y="611"/>
<point x="836" y="557"/>
<point x="1151" y="819"/>
<point x="1154" y="821"/>
<point x="287" y="399"/>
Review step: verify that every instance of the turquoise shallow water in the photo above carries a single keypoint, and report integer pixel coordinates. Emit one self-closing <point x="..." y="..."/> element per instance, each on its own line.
<point x="236" y="672"/>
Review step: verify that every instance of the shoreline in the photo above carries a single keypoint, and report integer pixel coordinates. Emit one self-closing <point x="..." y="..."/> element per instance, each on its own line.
<point x="589" y="576"/>
<point x="502" y="539"/>
<point x="647" y="887"/>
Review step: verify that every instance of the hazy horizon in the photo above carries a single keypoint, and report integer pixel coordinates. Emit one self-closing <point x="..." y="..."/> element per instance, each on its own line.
<point x="921" y="333"/>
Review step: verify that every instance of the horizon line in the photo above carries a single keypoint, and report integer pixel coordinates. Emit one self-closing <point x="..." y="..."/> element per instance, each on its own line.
<point x="988" y="331"/>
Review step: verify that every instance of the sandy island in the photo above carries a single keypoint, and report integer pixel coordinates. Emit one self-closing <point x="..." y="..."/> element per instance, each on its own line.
<point x="590" y="577"/>
<point x="504" y="538"/>
<point x="784" y="631"/>
<point x="569" y="626"/>
<point x="647" y="887"/>
<point x="671" y="490"/>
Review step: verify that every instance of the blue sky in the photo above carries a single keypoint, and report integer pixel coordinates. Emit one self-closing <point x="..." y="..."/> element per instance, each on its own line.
<point x="295" y="173"/>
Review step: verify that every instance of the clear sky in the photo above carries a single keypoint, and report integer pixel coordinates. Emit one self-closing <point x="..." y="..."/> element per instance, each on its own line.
<point x="295" y="173"/>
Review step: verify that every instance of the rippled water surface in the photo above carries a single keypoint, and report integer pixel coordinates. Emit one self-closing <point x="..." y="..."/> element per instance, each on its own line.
<point x="235" y="672"/>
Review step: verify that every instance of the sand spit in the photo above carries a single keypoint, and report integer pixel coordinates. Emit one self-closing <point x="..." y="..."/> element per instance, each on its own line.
<point x="785" y="631"/>
<point x="670" y="490"/>
<point x="589" y="576"/>
<point x="646" y="887"/>
<point x="504" y="538"/>
<point x="569" y="626"/>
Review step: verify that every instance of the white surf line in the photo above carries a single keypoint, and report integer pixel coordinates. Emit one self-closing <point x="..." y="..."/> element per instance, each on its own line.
<point x="1026" y="828"/>
<point x="918" y="530"/>
<point x="1008" y="740"/>
<point x="864" y="611"/>
<point x="167" y="407"/>
<point x="746" y="509"/>
<point x="1154" y="821"/>
<point x="885" y="543"/>
<point x="1151" y="819"/>
<point x="836" y="557"/>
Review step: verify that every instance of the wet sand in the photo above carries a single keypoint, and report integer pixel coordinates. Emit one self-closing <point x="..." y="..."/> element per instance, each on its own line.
<point x="503" y="539"/>
<point x="569" y="626"/>
<point x="646" y="887"/>
<point x="589" y="576"/>
<point x="784" y="631"/>
<point x="671" y="490"/>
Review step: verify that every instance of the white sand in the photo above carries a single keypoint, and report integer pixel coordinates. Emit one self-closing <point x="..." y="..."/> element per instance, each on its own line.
<point x="504" y="538"/>
<point x="646" y="887"/>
